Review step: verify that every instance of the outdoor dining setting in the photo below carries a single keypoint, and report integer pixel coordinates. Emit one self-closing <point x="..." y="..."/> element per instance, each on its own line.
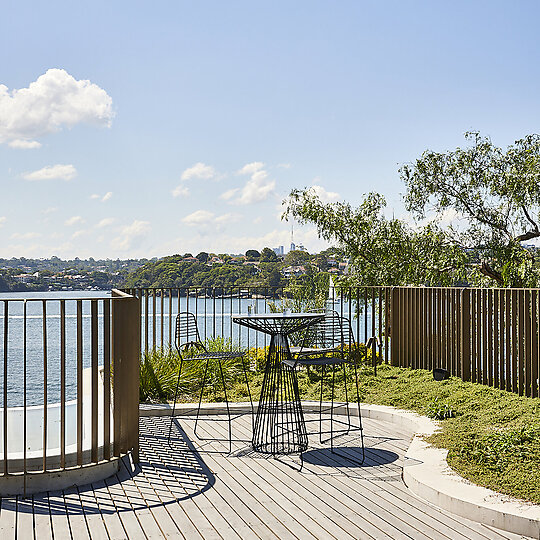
<point x="279" y="426"/>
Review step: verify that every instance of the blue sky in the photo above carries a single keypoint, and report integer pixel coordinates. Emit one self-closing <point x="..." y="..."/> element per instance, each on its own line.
<point x="136" y="129"/>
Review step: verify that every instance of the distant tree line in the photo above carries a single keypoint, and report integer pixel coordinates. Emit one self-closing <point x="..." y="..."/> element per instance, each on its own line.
<point x="254" y="269"/>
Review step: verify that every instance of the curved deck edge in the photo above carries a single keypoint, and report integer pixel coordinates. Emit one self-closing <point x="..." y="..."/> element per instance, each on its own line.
<point x="427" y="474"/>
<point x="39" y="482"/>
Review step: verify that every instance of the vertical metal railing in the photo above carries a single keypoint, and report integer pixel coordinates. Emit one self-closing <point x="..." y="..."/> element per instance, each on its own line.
<point x="59" y="357"/>
<point x="367" y="309"/>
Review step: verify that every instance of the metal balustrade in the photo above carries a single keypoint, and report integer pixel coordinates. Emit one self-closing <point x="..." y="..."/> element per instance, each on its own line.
<point x="69" y="387"/>
<point x="69" y="368"/>
<point x="488" y="336"/>
<point x="365" y="307"/>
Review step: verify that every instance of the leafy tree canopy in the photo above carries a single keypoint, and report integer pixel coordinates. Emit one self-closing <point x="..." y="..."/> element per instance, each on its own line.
<point x="382" y="251"/>
<point x="268" y="255"/>
<point x="252" y="255"/>
<point x="496" y="195"/>
<point x="297" y="257"/>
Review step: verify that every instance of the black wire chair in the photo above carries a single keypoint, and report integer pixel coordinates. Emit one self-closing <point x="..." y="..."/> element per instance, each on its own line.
<point x="330" y="342"/>
<point x="188" y="339"/>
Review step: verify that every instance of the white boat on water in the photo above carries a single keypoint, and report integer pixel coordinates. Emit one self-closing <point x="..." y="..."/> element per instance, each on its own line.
<point x="333" y="296"/>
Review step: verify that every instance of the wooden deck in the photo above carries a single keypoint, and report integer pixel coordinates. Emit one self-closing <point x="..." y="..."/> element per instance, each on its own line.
<point x="187" y="491"/>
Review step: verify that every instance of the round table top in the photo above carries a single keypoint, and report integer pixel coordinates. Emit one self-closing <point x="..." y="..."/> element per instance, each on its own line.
<point x="277" y="323"/>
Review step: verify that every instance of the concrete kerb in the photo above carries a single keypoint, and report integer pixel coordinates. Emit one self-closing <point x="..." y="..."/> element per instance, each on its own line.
<point x="425" y="472"/>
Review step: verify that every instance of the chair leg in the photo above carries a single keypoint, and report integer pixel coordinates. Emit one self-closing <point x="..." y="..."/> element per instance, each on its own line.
<point x="227" y="404"/>
<point x="359" y="414"/>
<point x="200" y="398"/>
<point x="332" y="449"/>
<point x="349" y="425"/>
<point x="332" y="409"/>
<point x="174" y="402"/>
<point x="248" y="390"/>
<point x="320" y="404"/>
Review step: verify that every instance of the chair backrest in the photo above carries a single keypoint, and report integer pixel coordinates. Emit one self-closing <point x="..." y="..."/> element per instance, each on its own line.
<point x="187" y="331"/>
<point x="333" y="331"/>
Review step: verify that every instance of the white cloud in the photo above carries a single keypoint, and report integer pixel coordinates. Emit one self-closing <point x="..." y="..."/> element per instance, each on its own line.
<point x="325" y="196"/>
<point x="199" y="217"/>
<point x="105" y="222"/>
<point x="53" y="172"/>
<point x="24" y="145"/>
<point x="228" y="218"/>
<point x="229" y="194"/>
<point x="74" y="220"/>
<point x="284" y="165"/>
<point x="200" y="171"/>
<point x="3" y="219"/>
<point x="25" y="236"/>
<point x="55" y="100"/>
<point x="50" y="210"/>
<point x="131" y="234"/>
<point x="238" y="243"/>
<point x="256" y="189"/>
<point x="251" y="168"/>
<point x="180" y="191"/>
<point x="204" y="219"/>
<point x="78" y="234"/>
<point x="105" y="197"/>
<point x="449" y="217"/>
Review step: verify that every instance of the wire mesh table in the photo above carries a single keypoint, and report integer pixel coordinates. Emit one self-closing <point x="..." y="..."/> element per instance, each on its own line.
<point x="279" y="422"/>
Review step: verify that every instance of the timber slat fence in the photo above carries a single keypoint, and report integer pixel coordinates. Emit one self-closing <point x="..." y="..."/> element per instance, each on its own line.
<point x="488" y="336"/>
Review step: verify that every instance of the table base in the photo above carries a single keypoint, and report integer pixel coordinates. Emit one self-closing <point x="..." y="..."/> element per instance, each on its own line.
<point x="279" y="424"/>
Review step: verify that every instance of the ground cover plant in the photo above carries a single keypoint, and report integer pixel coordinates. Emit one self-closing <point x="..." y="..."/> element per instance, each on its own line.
<point x="493" y="436"/>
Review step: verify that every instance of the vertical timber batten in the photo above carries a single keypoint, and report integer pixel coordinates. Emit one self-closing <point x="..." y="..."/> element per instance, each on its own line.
<point x="466" y="334"/>
<point x="126" y="350"/>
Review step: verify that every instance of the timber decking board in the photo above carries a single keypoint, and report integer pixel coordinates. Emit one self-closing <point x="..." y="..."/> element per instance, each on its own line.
<point x="403" y="444"/>
<point x="347" y="507"/>
<point x="8" y="517"/>
<point x="94" y="519"/>
<point x="38" y="505"/>
<point x="25" y="520"/>
<point x="76" y="517"/>
<point x="59" y="515"/>
<point x="345" y="527"/>
<point x="181" y="491"/>
<point x="107" y="510"/>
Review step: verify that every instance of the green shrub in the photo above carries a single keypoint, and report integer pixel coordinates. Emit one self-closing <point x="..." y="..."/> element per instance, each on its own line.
<point x="231" y="368"/>
<point x="439" y="411"/>
<point x="159" y="375"/>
